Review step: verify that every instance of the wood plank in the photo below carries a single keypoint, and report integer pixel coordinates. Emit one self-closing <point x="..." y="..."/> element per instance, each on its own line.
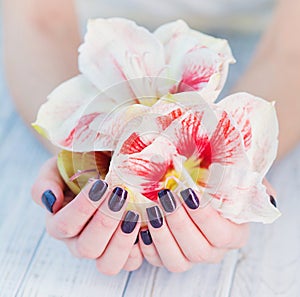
<point x="270" y="264"/>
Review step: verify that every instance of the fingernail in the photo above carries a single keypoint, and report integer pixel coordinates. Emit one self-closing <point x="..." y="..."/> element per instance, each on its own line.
<point x="137" y="239"/>
<point x="48" y="199"/>
<point x="129" y="222"/>
<point x="117" y="199"/>
<point x="154" y="216"/>
<point x="190" y="198"/>
<point x="167" y="200"/>
<point x="146" y="237"/>
<point x="97" y="190"/>
<point x="273" y="201"/>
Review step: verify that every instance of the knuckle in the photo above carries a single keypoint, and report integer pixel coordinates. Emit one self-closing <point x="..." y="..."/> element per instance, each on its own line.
<point x="206" y="254"/>
<point x="224" y="240"/>
<point x="83" y="207"/>
<point x="60" y="230"/>
<point x="105" y="221"/>
<point x="179" y="226"/>
<point x="84" y="251"/>
<point x="196" y="257"/>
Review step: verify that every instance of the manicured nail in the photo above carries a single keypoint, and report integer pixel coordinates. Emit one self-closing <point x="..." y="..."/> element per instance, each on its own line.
<point x="273" y="201"/>
<point x="117" y="199"/>
<point x="146" y="237"/>
<point x="129" y="222"/>
<point x="167" y="200"/>
<point x="154" y="216"/>
<point x="48" y="199"/>
<point x="97" y="190"/>
<point x="137" y="239"/>
<point x="190" y="198"/>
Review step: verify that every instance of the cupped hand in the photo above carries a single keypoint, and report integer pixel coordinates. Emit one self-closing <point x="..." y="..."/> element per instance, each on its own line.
<point x="182" y="233"/>
<point x="94" y="224"/>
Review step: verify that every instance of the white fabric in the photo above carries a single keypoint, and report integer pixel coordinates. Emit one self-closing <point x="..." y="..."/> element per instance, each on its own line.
<point x="200" y="14"/>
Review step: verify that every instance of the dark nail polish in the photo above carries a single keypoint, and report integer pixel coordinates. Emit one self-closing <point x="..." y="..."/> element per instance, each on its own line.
<point x="117" y="199"/>
<point x="154" y="216"/>
<point x="273" y="201"/>
<point x="129" y="222"/>
<point x="137" y="239"/>
<point x="48" y="199"/>
<point x="190" y="198"/>
<point x="167" y="200"/>
<point x="97" y="190"/>
<point x="146" y="237"/>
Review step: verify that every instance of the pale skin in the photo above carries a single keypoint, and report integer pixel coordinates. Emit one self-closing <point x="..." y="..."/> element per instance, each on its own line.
<point x="49" y="40"/>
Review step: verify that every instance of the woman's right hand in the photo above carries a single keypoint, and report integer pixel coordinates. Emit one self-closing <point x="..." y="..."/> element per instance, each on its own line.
<point x="94" y="224"/>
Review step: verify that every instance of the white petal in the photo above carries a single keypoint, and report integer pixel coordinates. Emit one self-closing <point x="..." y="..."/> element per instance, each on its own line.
<point x="77" y="117"/>
<point x="117" y="50"/>
<point x="240" y="195"/>
<point x="262" y="143"/>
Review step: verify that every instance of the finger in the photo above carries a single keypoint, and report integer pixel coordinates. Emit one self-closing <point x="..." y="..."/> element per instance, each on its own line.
<point x="192" y="242"/>
<point x="71" y="219"/>
<point x="167" y="247"/>
<point x="95" y="237"/>
<point x="220" y="232"/>
<point x="117" y="252"/>
<point x="148" y="249"/>
<point x="135" y="259"/>
<point x="271" y="192"/>
<point x="48" y="189"/>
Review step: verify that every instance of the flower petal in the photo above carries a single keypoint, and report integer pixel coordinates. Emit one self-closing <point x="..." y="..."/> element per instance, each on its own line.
<point x="226" y="143"/>
<point x="60" y="114"/>
<point x="238" y="193"/>
<point x="117" y="50"/>
<point x="74" y="112"/>
<point x="183" y="45"/>
<point x="257" y="121"/>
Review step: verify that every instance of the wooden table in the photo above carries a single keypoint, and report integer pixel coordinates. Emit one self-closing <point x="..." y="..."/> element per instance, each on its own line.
<point x="34" y="265"/>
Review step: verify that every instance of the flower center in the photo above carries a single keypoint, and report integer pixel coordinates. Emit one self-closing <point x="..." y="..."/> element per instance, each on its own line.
<point x="192" y="173"/>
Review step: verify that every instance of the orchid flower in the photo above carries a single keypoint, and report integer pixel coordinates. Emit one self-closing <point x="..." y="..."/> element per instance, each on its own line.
<point x="221" y="150"/>
<point x="123" y="64"/>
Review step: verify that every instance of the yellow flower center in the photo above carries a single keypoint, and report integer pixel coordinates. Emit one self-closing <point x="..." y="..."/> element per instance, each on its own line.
<point x="190" y="173"/>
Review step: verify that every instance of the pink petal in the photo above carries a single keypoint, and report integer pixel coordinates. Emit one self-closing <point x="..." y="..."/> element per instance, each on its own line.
<point x="77" y="117"/>
<point x="226" y="142"/>
<point x="256" y="119"/>
<point x="190" y="137"/>
<point x="58" y="118"/>
<point x="183" y="45"/>
<point x="200" y="71"/>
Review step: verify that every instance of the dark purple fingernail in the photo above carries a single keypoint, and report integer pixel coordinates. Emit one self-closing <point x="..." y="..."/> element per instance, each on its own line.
<point x="117" y="199"/>
<point x="273" y="201"/>
<point x="137" y="239"/>
<point x="129" y="222"/>
<point x="154" y="216"/>
<point x="190" y="198"/>
<point x="146" y="237"/>
<point x="97" y="190"/>
<point x="48" y="199"/>
<point x="167" y="200"/>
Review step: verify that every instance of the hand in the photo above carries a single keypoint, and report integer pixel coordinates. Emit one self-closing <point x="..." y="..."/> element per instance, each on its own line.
<point x="91" y="223"/>
<point x="188" y="233"/>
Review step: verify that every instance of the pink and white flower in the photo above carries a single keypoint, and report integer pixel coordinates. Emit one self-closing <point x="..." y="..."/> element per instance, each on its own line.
<point x="123" y="64"/>
<point x="215" y="149"/>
